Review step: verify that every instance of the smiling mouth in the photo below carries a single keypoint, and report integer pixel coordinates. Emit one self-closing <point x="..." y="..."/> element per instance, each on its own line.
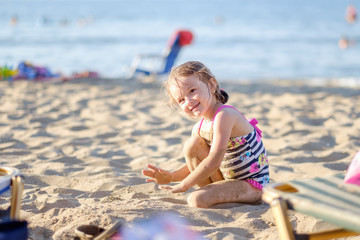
<point x="192" y="109"/>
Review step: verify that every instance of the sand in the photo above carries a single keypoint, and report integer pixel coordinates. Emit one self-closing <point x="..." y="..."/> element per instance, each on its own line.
<point x="81" y="146"/>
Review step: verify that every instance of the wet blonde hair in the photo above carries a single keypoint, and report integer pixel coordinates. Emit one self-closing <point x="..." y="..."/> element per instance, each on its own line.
<point x="202" y="72"/>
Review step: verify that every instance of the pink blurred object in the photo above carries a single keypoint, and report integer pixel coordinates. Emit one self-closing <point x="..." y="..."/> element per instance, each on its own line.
<point x="161" y="227"/>
<point x="353" y="173"/>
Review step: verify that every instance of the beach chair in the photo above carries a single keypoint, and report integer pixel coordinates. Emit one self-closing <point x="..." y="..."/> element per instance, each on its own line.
<point x="10" y="179"/>
<point x="155" y="64"/>
<point x="11" y="227"/>
<point x="326" y="198"/>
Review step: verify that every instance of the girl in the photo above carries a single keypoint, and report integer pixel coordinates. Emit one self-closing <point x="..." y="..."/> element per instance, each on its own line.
<point x="225" y="156"/>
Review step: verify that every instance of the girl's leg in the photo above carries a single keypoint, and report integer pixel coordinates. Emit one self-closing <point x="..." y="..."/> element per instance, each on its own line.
<point x="196" y="150"/>
<point x="224" y="192"/>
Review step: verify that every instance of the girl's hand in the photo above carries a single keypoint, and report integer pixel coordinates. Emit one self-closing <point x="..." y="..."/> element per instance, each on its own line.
<point x="158" y="175"/>
<point x="178" y="188"/>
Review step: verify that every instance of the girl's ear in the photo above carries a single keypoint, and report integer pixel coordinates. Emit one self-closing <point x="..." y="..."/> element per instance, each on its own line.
<point x="213" y="85"/>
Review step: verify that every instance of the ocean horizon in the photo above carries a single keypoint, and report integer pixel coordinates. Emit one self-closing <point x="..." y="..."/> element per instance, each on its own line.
<point x="237" y="40"/>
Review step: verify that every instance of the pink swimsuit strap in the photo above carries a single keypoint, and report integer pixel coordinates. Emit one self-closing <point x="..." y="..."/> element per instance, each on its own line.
<point x="201" y="122"/>
<point x="252" y="121"/>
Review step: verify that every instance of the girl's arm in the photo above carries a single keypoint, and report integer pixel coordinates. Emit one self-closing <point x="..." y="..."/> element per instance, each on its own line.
<point x="180" y="173"/>
<point x="162" y="176"/>
<point x="222" y="128"/>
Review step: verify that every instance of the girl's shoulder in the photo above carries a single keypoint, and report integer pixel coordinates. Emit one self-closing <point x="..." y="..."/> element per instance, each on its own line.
<point x="227" y="111"/>
<point x="234" y="119"/>
<point x="226" y="108"/>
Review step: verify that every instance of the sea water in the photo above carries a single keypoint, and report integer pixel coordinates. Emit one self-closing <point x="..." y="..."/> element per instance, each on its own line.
<point x="237" y="39"/>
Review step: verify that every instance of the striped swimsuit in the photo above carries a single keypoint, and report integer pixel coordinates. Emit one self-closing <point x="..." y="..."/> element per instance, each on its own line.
<point x="245" y="157"/>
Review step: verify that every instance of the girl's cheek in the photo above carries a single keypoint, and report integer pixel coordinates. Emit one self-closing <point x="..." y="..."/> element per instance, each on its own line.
<point x="182" y="107"/>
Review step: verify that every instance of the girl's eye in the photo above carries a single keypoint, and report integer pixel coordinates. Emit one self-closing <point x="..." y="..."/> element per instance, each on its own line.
<point x="181" y="101"/>
<point x="192" y="90"/>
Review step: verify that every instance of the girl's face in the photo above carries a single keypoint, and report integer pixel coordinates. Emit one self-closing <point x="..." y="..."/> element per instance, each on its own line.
<point x="193" y="96"/>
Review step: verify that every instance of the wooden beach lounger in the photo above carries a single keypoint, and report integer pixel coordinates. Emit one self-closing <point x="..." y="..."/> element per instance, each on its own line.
<point x="10" y="178"/>
<point x="328" y="198"/>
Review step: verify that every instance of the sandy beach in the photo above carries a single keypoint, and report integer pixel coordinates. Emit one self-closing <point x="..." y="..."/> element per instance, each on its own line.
<point x="81" y="146"/>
